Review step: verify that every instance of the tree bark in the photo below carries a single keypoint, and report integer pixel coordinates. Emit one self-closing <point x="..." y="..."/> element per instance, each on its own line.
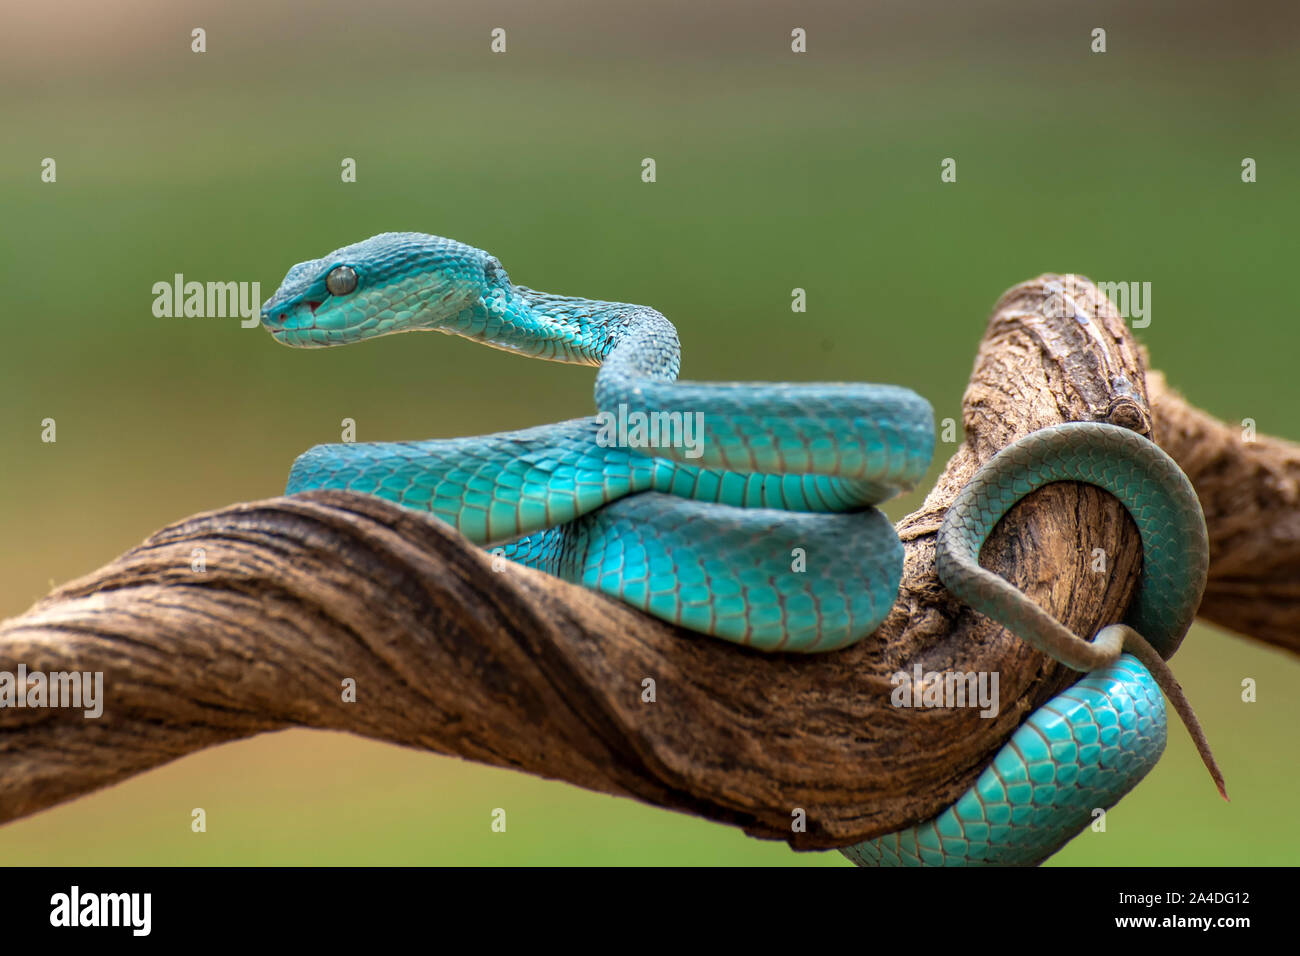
<point x="512" y="668"/>
<point x="1249" y="488"/>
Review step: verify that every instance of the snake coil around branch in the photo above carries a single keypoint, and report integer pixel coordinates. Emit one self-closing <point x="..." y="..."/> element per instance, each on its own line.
<point x="517" y="669"/>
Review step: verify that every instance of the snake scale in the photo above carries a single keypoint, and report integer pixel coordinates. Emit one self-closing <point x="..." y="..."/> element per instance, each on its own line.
<point x="746" y="511"/>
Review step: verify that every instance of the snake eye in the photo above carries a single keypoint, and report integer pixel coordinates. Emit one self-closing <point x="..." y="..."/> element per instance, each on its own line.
<point x="341" y="280"/>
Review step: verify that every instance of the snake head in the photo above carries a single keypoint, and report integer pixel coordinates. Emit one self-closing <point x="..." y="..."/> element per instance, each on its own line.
<point x="394" y="282"/>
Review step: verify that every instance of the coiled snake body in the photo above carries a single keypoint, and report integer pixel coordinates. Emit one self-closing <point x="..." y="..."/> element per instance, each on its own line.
<point x="744" y="511"/>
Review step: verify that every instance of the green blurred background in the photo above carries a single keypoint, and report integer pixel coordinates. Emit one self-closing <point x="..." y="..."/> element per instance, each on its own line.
<point x="775" y="170"/>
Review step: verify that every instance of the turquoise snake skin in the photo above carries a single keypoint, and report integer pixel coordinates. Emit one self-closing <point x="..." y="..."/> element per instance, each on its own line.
<point x="759" y="527"/>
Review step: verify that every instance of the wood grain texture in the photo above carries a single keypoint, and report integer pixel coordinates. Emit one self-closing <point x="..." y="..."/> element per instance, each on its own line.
<point x="512" y="668"/>
<point x="1249" y="488"/>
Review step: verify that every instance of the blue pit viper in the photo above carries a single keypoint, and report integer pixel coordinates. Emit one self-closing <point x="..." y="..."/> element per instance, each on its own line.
<point x="687" y="500"/>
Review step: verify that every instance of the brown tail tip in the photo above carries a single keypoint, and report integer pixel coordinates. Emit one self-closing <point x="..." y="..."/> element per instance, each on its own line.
<point x="1138" y="646"/>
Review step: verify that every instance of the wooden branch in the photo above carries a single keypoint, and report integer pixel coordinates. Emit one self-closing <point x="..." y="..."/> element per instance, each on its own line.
<point x="1249" y="487"/>
<point x="516" y="669"/>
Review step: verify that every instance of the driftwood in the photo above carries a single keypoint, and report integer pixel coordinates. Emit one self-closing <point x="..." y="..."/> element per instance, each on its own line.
<point x="512" y="668"/>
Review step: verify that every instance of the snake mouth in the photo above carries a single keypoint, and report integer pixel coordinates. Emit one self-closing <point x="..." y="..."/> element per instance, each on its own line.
<point x="297" y="338"/>
<point x="281" y="323"/>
